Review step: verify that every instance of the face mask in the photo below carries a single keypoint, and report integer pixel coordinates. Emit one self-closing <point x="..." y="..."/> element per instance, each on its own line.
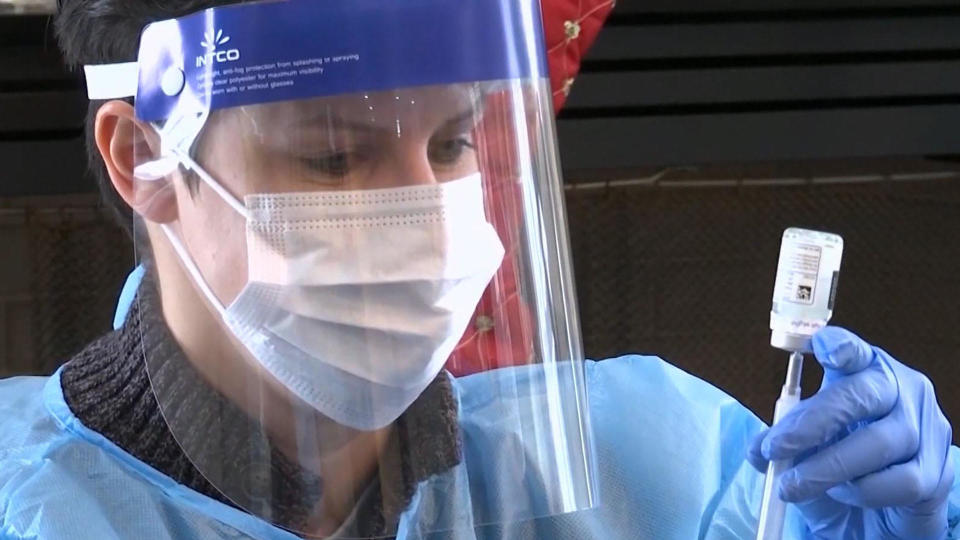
<point x="355" y="299"/>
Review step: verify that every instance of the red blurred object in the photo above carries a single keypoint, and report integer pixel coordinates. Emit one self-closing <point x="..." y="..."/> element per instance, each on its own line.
<point x="571" y="26"/>
<point x="501" y="331"/>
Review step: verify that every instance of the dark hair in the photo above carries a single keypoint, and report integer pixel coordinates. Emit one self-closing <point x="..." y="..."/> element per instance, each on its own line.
<point x="106" y="32"/>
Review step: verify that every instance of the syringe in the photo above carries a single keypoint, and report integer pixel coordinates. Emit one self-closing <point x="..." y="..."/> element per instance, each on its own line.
<point x="773" y="508"/>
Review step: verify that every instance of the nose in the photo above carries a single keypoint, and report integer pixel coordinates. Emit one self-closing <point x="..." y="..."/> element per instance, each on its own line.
<point x="409" y="166"/>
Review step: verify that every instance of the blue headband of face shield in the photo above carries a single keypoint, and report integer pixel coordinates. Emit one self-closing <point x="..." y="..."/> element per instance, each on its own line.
<point x="278" y="51"/>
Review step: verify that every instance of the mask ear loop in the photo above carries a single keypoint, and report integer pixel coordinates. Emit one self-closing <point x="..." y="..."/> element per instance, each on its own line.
<point x="175" y="139"/>
<point x="182" y="253"/>
<point x="228" y="197"/>
<point x="192" y="269"/>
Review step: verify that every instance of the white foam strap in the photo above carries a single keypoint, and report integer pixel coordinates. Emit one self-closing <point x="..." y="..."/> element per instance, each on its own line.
<point x="112" y="81"/>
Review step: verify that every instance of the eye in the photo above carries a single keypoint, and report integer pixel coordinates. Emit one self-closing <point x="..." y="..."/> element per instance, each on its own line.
<point x="336" y="165"/>
<point x="449" y="151"/>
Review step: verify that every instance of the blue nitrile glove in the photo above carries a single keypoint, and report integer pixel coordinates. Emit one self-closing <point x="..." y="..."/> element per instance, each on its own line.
<point x="871" y="447"/>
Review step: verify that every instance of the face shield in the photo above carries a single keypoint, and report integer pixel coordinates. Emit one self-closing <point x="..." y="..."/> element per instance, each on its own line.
<point x="361" y="205"/>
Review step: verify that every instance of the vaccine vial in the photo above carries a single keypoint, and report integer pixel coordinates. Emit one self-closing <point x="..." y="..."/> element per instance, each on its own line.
<point x="805" y="288"/>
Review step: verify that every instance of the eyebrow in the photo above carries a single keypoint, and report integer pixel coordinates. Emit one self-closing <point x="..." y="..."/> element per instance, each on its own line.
<point x="464" y="118"/>
<point x="474" y="110"/>
<point x="339" y="123"/>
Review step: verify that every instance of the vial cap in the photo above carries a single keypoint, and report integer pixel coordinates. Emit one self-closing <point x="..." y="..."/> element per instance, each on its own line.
<point x="791" y="342"/>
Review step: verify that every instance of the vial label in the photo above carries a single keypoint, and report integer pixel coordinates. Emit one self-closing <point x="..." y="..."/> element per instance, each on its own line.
<point x="798" y="273"/>
<point x="806" y="286"/>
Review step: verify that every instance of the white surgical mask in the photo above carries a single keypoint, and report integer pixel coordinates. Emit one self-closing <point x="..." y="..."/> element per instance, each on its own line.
<point x="355" y="299"/>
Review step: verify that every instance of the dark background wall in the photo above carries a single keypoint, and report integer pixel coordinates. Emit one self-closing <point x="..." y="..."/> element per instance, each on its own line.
<point x="703" y="81"/>
<point x="687" y="273"/>
<point x="698" y="130"/>
<point x="777" y="113"/>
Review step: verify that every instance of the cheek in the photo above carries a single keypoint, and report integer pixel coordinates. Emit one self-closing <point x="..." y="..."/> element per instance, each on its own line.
<point x="228" y="257"/>
<point x="214" y="234"/>
<point x="224" y="258"/>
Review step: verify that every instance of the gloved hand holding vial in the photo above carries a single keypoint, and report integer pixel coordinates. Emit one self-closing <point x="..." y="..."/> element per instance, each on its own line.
<point x="867" y="456"/>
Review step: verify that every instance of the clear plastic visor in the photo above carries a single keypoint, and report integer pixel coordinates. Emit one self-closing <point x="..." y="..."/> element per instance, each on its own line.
<point x="361" y="318"/>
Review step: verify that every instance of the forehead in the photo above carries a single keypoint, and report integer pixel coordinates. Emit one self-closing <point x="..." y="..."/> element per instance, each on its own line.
<point x="421" y="105"/>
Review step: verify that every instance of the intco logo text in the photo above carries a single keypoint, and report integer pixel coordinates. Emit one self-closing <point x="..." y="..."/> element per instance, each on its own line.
<point x="211" y="43"/>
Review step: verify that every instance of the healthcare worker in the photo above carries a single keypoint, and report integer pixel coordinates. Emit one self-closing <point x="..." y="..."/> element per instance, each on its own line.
<point x="327" y="198"/>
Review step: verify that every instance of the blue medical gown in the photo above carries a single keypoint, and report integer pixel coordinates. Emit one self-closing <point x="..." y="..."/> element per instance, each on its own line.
<point x="670" y="456"/>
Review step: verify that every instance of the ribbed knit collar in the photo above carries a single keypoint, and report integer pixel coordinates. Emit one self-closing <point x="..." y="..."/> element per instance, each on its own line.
<point x="108" y="388"/>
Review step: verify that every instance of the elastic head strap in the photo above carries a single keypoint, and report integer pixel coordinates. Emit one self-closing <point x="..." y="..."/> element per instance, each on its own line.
<point x="112" y="81"/>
